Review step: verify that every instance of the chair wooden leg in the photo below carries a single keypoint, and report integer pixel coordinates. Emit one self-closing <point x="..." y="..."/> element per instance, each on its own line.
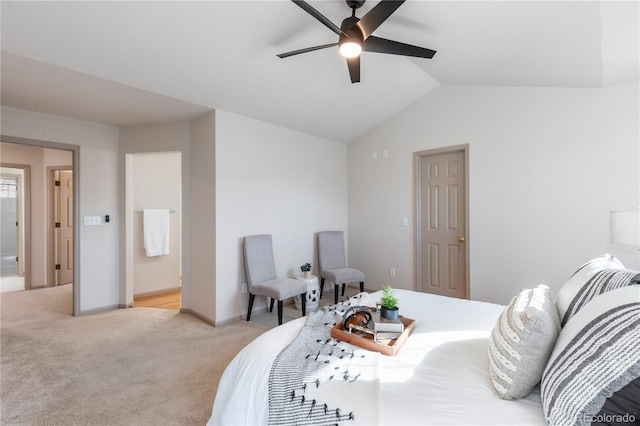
<point x="321" y="287"/>
<point x="271" y="307"/>
<point x="279" y="312"/>
<point x="251" y="297"/>
<point x="336" y="287"/>
<point x="303" y="303"/>
<point x="343" y="286"/>
<point x="361" y="286"/>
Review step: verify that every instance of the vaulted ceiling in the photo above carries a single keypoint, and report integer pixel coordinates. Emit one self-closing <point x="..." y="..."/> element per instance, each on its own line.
<point x="125" y="63"/>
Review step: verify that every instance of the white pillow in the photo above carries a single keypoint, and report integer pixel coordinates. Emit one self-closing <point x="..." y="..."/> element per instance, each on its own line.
<point x="360" y="299"/>
<point x="596" y="354"/>
<point x="595" y="277"/>
<point x="521" y="343"/>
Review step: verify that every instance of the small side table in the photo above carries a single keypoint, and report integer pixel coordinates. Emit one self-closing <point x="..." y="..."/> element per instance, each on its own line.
<point x="313" y="294"/>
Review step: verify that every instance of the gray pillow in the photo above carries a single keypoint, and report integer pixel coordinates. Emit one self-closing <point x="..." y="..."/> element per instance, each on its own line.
<point x="596" y="355"/>
<point x="521" y="343"/>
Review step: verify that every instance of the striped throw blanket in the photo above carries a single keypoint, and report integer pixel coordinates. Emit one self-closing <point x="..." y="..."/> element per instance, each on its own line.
<point x="318" y="380"/>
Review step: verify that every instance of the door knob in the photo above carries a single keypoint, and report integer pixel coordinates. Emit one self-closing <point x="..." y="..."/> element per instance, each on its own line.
<point x="461" y="239"/>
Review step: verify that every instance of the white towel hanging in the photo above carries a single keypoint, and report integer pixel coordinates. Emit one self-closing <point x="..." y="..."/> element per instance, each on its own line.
<point x="155" y="228"/>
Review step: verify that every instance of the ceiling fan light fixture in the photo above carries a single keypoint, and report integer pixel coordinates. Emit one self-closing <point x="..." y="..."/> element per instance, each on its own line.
<point x="356" y="35"/>
<point x="350" y="47"/>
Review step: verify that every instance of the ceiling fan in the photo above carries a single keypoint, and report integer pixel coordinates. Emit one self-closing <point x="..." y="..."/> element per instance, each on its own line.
<point x="355" y="35"/>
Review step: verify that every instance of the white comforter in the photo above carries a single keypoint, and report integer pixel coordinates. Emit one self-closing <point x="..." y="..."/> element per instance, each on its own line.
<point x="440" y="376"/>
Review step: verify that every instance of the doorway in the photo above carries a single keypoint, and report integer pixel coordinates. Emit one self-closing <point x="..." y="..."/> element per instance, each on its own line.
<point x="441" y="240"/>
<point x="36" y="157"/>
<point x="12" y="228"/>
<point x="154" y="184"/>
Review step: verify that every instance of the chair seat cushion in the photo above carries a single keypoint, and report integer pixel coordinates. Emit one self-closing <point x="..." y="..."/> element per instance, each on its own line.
<point x="343" y="275"/>
<point x="279" y="288"/>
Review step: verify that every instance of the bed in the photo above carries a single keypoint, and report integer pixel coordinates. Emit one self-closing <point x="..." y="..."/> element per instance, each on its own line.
<point x="444" y="373"/>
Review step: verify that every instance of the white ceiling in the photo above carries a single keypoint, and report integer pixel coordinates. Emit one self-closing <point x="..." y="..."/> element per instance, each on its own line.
<point x="124" y="63"/>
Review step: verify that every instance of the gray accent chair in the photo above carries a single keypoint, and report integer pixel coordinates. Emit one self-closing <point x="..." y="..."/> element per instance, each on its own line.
<point x="333" y="263"/>
<point x="262" y="279"/>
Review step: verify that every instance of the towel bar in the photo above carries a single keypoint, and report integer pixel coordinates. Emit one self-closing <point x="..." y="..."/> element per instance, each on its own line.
<point x="170" y="211"/>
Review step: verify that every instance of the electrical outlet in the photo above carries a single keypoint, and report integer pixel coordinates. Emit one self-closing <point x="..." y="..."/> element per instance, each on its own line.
<point x="244" y="287"/>
<point x="392" y="272"/>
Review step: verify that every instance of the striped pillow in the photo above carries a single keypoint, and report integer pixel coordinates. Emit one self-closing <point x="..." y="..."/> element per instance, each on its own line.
<point x="521" y="343"/>
<point x="595" y="277"/>
<point x="597" y="354"/>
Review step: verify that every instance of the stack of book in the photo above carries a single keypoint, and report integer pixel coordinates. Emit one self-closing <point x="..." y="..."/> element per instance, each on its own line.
<point x="386" y="329"/>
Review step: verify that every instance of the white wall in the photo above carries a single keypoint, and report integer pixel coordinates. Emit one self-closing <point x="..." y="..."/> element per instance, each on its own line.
<point x="202" y="224"/>
<point x="272" y="180"/>
<point x="546" y="168"/>
<point x="157" y="181"/>
<point x="57" y="158"/>
<point x="98" y="194"/>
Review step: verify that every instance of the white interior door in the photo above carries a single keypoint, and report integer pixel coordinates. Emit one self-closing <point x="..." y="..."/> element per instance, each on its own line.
<point x="441" y="231"/>
<point x="64" y="226"/>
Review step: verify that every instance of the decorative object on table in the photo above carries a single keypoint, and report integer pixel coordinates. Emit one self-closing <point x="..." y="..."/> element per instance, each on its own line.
<point x="385" y="325"/>
<point x="388" y="303"/>
<point x="385" y="342"/>
<point x="306" y="270"/>
<point x="313" y="293"/>
<point x="358" y="318"/>
<point x="363" y="327"/>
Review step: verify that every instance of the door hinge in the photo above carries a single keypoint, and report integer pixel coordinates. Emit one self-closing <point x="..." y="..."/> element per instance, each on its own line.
<point x="57" y="183"/>
<point x="57" y="266"/>
<point x="57" y="224"/>
<point x="17" y="224"/>
<point x="16" y="258"/>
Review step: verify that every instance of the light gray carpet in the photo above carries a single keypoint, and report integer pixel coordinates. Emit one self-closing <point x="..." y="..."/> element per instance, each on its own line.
<point x="137" y="366"/>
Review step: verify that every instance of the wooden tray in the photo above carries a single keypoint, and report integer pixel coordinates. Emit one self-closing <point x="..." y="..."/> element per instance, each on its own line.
<point x="385" y="347"/>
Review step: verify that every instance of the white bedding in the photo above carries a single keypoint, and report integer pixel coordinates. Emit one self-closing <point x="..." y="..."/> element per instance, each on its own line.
<point x="440" y="376"/>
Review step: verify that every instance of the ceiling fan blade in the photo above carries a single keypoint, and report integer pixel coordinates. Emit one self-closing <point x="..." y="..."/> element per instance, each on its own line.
<point x="305" y="50"/>
<point x="319" y="16"/>
<point x="376" y="16"/>
<point x="354" y="69"/>
<point x="382" y="45"/>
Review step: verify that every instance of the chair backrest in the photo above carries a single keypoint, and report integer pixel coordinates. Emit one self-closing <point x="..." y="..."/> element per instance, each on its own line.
<point x="331" y="250"/>
<point x="258" y="259"/>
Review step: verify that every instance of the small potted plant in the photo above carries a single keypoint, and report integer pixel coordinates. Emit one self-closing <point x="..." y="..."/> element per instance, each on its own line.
<point x="306" y="270"/>
<point x="388" y="303"/>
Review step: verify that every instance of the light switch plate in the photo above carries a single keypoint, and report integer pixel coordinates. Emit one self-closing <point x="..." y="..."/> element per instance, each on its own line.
<point x="91" y="220"/>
